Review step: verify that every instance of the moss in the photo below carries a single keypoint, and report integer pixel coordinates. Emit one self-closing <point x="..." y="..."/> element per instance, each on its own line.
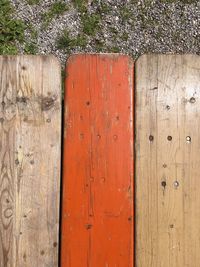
<point x="66" y="43"/>
<point x="56" y="9"/>
<point x="63" y="77"/>
<point x="11" y="29"/>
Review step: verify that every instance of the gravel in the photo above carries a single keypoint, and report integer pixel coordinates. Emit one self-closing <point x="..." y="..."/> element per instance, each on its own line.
<point x="132" y="27"/>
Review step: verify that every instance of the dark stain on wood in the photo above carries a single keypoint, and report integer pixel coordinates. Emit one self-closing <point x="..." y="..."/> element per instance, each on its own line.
<point x="22" y="99"/>
<point x="55" y="244"/>
<point x="47" y="102"/>
<point x="88" y="226"/>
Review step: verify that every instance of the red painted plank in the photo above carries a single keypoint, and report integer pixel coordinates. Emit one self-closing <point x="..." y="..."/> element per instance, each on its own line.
<point x="97" y="211"/>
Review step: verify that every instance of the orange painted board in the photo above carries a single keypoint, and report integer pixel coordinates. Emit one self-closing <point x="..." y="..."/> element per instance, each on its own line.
<point x="97" y="205"/>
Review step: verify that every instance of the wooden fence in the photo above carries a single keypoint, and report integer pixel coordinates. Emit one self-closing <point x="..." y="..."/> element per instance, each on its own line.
<point x="130" y="169"/>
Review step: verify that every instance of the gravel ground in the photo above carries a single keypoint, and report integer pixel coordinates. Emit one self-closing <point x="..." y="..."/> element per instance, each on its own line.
<point x="130" y="27"/>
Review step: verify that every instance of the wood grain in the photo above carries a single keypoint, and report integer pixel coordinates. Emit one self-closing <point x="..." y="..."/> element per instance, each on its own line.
<point x="97" y="222"/>
<point x="167" y="161"/>
<point x="30" y="119"/>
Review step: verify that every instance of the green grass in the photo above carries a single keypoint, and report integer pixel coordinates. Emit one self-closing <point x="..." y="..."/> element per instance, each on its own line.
<point x="81" y="5"/>
<point x="33" y="2"/>
<point x="30" y="44"/>
<point x="104" y="8"/>
<point x="90" y="23"/>
<point x="182" y="1"/>
<point x="125" y="13"/>
<point x="12" y="32"/>
<point x="30" y="48"/>
<point x="114" y="49"/>
<point x="56" y="9"/>
<point x="11" y="29"/>
<point x="8" y="49"/>
<point x="33" y="32"/>
<point x="99" y="46"/>
<point x="66" y="43"/>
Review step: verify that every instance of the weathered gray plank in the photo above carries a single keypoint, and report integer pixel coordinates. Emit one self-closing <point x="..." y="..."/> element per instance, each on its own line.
<point x="30" y="121"/>
<point x="167" y="161"/>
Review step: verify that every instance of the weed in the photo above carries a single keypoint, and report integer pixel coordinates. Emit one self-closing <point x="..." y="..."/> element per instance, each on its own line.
<point x="57" y="9"/>
<point x="8" y="49"/>
<point x="33" y="2"/>
<point x="66" y="42"/>
<point x="80" y="5"/>
<point x="99" y="46"/>
<point x="30" y="48"/>
<point x="183" y="1"/>
<point x="90" y="24"/>
<point x="114" y="49"/>
<point x="11" y="29"/>
<point x="125" y="13"/>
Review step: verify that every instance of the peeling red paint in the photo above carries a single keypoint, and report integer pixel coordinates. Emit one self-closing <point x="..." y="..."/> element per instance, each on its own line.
<point x="97" y="221"/>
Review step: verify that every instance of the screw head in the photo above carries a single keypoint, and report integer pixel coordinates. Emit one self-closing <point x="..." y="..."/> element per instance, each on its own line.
<point x="188" y="139"/>
<point x="151" y="138"/>
<point x="192" y="100"/>
<point x="169" y="138"/>
<point x="176" y="184"/>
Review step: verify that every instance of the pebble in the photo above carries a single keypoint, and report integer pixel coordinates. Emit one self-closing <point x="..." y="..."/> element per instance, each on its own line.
<point x="153" y="27"/>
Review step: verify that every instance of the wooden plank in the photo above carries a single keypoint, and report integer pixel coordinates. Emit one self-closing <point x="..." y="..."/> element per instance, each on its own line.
<point x="167" y="161"/>
<point x="97" y="223"/>
<point x="30" y="120"/>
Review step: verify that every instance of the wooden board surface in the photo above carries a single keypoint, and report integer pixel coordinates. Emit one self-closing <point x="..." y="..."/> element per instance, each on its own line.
<point x="97" y="218"/>
<point x="167" y="161"/>
<point x="30" y="119"/>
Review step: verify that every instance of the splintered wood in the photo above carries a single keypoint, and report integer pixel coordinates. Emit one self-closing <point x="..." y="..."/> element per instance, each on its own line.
<point x="97" y="226"/>
<point x="30" y="119"/>
<point x="168" y="161"/>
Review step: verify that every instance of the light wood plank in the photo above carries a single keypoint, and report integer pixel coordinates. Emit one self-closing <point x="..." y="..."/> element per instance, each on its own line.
<point x="30" y="119"/>
<point x="167" y="170"/>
